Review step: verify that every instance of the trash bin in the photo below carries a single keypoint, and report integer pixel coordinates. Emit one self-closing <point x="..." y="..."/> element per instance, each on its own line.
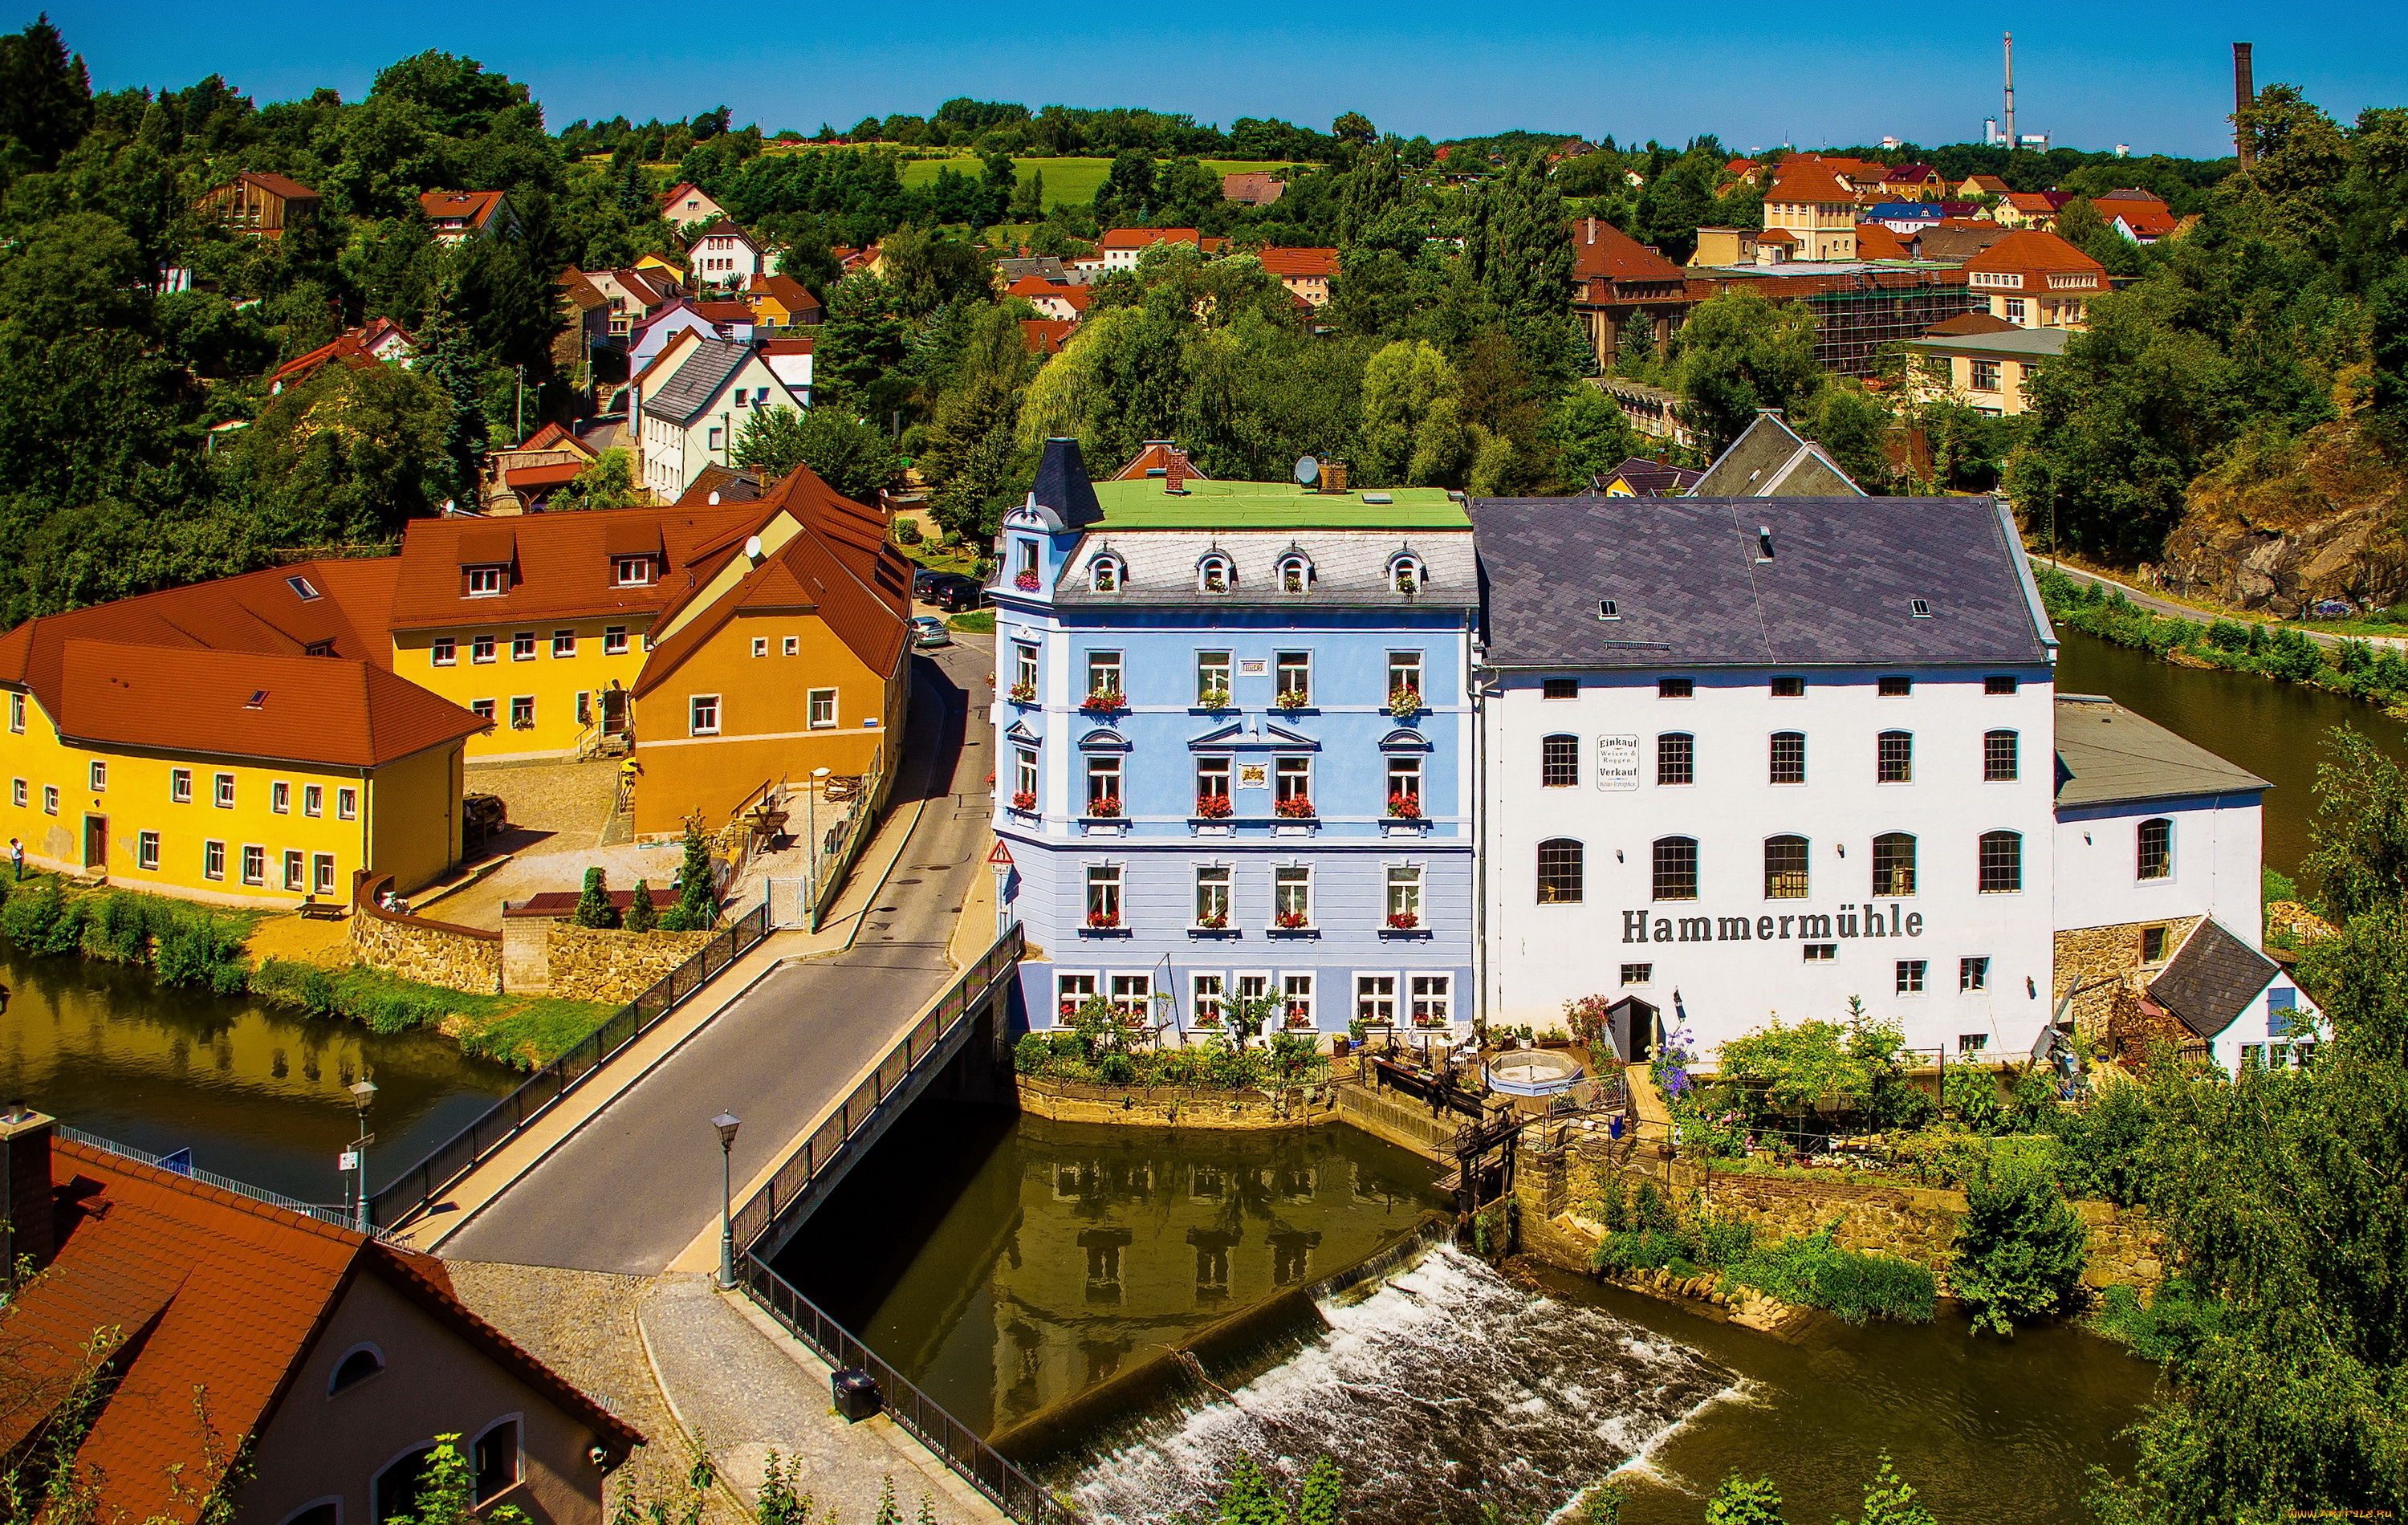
<point x="856" y="1393"/>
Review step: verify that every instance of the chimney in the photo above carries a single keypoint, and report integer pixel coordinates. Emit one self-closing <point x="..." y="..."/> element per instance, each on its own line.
<point x="2244" y="95"/>
<point x="2012" y="145"/>
<point x="1592" y="230"/>
<point x="30" y="1231"/>
<point x="1174" y="471"/>
<point x="1333" y="476"/>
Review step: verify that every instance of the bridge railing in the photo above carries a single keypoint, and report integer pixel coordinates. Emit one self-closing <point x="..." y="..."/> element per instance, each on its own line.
<point x="1020" y="1497"/>
<point x="416" y="1188"/>
<point x="793" y="1175"/>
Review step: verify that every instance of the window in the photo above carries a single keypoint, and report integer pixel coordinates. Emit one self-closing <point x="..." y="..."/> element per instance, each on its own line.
<point x="1070" y="992"/>
<point x="347" y="804"/>
<point x="794" y="645"/>
<point x="483" y="709"/>
<point x="99" y="777"/>
<point x="1213" y="575"/>
<point x="1675" y="688"/>
<point x="321" y="874"/>
<point x="146" y="849"/>
<point x="1433" y="999"/>
<point x="1788" y="757"/>
<point x="1103" y="785"/>
<point x="1211" y="785"/>
<point x="2157" y="847"/>
<point x="1560" y="871"/>
<point x="584" y="707"/>
<point x="1559" y="762"/>
<point x="1999" y="683"/>
<point x="1971" y="974"/>
<point x="1637" y="974"/>
<point x="213" y="860"/>
<point x="1676" y="758"/>
<point x="1405" y="574"/>
<point x="293" y="880"/>
<point x="1404" y="673"/>
<point x="716" y="436"/>
<point x="1023" y="776"/>
<point x="1607" y="609"/>
<point x="226" y="791"/>
<point x="564" y="643"/>
<point x="1405" y="784"/>
<point x="1213" y="896"/>
<point x="522" y="712"/>
<point x="179" y="786"/>
<point x="1023" y="670"/>
<point x="485" y="581"/>
<point x="1211" y="999"/>
<point x="1295" y="999"/>
<point x="2153" y="944"/>
<point x="1404" y="894"/>
<point x="1107" y="574"/>
<point x="313" y="800"/>
<point x="1295" y="574"/>
<point x="1821" y="953"/>
<point x="822" y="714"/>
<point x="1295" y="677"/>
<point x="1104" y="674"/>
<point x="1999" y="763"/>
<point x="481" y="648"/>
<point x="1294" y="779"/>
<point x="1985" y="372"/>
<point x="1026" y="551"/>
<point x="614" y="641"/>
<point x="1104" y="895"/>
<point x="1292" y="895"/>
<point x="1895" y="758"/>
<point x="2002" y="863"/>
<point x="17" y="789"/>
<point x="2014" y="315"/>
<point x="1789" y="688"/>
<point x="497" y="1459"/>
<point x="1910" y="976"/>
<point x="17" y="713"/>
<point x="1896" y="685"/>
<point x="631" y="571"/>
<point x="1211" y="678"/>
<point x="1375" y="999"/>
<point x="279" y="798"/>
<point x="254" y="865"/>
<point x="1561" y="688"/>
<point x="1676" y="874"/>
<point x="1893" y="864"/>
<point x="702" y="716"/>
<point x="1784" y="868"/>
<point x="523" y="646"/>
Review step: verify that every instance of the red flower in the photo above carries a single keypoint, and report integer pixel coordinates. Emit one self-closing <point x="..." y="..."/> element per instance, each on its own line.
<point x="1109" y="805"/>
<point x="1211" y="807"/>
<point x="1405" y="807"/>
<point x="1295" y="808"/>
<point x="1025" y="581"/>
<point x="1103" y="920"/>
<point x="1024" y="800"/>
<point x="1404" y="921"/>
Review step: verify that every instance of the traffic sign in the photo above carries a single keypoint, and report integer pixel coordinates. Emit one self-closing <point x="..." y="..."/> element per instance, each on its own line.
<point x="347" y="1162"/>
<point x="1001" y="855"/>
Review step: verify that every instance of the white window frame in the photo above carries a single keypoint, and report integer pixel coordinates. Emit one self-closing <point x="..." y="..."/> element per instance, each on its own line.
<point x="1025" y="664"/>
<point x="444" y="652"/>
<point x="564" y="643"/>
<point x="521" y="645"/>
<point x="1131" y="994"/>
<point x="17" y="713"/>
<point x="614" y="641"/>
<point x="179" y="786"/>
<point x="1203" y="1002"/>
<point x="1103" y="765"/>
<point x="1370" y="1000"/>
<point x="1912" y="977"/>
<point x="297" y="871"/>
<point x="1206" y="668"/>
<point x="1227" y="881"/>
<point x="1106" y="674"/>
<point x="1284" y="878"/>
<point x="1405" y="673"/>
<point x="486" y="581"/>
<point x="99" y="776"/>
<point x="481" y="649"/>
<point x="1282" y="666"/>
<point x="1434" y="990"/>
<point x="1025" y="775"/>
<point x="1064" y="980"/>
<point x="1411" y="878"/>
<point x="633" y="572"/>
<point x="213" y="859"/>
<point x="1298" y="989"/>
<point x="347" y="804"/>
<point x="321" y="874"/>
<point x="522" y="712"/>
<point x="794" y="646"/>
<point x="50" y="799"/>
<point x="146" y="849"/>
<point x="1285" y="769"/>
<point x="702" y="714"/>
<point x="820" y="709"/>
<point x="221" y="790"/>
<point x="254" y="864"/>
<point x="1209" y="565"/>
<point x="760" y="645"/>
<point x="1973" y="976"/>
<point x="313" y="800"/>
<point x="279" y="798"/>
<point x="1404" y="768"/>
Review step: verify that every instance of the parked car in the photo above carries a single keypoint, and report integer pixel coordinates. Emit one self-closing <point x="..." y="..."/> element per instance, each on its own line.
<point x="925" y="581"/>
<point x="481" y="817"/>
<point x="929" y="630"/>
<point x="955" y="592"/>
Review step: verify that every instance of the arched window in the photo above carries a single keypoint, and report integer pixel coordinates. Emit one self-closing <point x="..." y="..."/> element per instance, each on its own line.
<point x="2002" y="862"/>
<point x="1893" y="864"/>
<point x="1788" y="757"/>
<point x="356" y="1368"/>
<point x="1676" y="758"/>
<point x="1212" y="574"/>
<point x="395" y="1488"/>
<point x="1784" y="868"/>
<point x="1406" y="573"/>
<point x="1896" y="758"/>
<point x="1676" y="869"/>
<point x="1108" y="572"/>
<point x="1559" y="762"/>
<point x="2156" y="849"/>
<point x="1560" y="871"/>
<point x="1295" y="574"/>
<point x="1999" y="760"/>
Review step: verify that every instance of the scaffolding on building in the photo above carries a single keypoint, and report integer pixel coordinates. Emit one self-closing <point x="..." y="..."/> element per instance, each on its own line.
<point x="1876" y="309"/>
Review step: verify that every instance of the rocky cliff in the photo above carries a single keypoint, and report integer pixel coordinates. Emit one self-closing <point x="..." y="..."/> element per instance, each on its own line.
<point x="2276" y="531"/>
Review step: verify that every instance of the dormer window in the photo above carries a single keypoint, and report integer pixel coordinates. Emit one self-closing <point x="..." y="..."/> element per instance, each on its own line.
<point x="486" y="581"/>
<point x="1406" y="573"/>
<point x="1295" y="574"/>
<point x="1107" y="572"/>
<point x="1212" y="574"/>
<point x="631" y="571"/>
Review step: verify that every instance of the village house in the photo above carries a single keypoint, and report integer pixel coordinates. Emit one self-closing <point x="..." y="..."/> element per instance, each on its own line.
<point x="2035" y="281"/>
<point x="725" y="255"/>
<point x="1721" y="248"/>
<point x="1045" y="335"/>
<point x="1808" y="199"/>
<point x="1119" y="248"/>
<point x="633" y="297"/>
<point x="520" y="478"/>
<point x="584" y="325"/>
<point x="1306" y="273"/>
<point x="2139" y="216"/>
<point x="1769" y="459"/>
<point x="781" y="301"/>
<point x="2028" y="209"/>
<point x="691" y="407"/>
<point x="687" y="205"/>
<point x="457" y="215"/>
<point x="1984" y="367"/>
<point x="1621" y="285"/>
<point x="260" y="203"/>
<point x="726" y="320"/>
<point x="1060" y="301"/>
<point x="1651" y="410"/>
<point x="1982" y="187"/>
<point x="1915" y="182"/>
<point x="1639" y="477"/>
<point x="790" y="360"/>
<point x="330" y="1360"/>
<point x="1252" y="188"/>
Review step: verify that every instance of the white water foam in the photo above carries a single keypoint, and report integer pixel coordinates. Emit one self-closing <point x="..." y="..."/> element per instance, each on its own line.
<point x="1446" y="1388"/>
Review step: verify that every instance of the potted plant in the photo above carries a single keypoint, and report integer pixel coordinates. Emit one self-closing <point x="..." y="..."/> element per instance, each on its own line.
<point x="1102" y="921"/>
<point x="1404" y="704"/>
<point x="1402" y="921"/>
<point x="1293" y="699"/>
<point x="1298" y="1018"/>
<point x="1215" y="922"/>
<point x="1212" y="807"/>
<point x="1212" y="698"/>
<point x="1106" y="807"/>
<point x="1208" y="1018"/>
<point x="1103" y="701"/>
<point x="1404" y="807"/>
<point x="1023" y="692"/>
<point x="1026" y="583"/>
<point x="1294" y="808"/>
<point x="1291" y="921"/>
<point x="1024" y="800"/>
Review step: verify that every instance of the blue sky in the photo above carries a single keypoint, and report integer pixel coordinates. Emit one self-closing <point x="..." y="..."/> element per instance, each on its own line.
<point x="1753" y="71"/>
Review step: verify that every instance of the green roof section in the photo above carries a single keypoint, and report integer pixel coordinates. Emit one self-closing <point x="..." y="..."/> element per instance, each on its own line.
<point x="1143" y="504"/>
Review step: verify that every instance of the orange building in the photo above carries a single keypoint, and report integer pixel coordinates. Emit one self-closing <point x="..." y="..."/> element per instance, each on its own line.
<point x="2036" y="280"/>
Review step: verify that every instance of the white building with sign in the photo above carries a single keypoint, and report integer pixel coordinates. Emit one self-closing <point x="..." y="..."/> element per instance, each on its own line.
<point x="1750" y="758"/>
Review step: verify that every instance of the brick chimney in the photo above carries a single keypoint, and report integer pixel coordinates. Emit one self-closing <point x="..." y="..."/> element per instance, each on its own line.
<point x="1174" y="471"/>
<point x="25" y="1166"/>
<point x="1333" y="476"/>
<point x="1592" y="230"/>
<point x="2244" y="95"/>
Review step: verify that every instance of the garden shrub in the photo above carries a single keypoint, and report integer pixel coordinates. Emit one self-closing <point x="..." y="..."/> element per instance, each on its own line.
<point x="2170" y="1326"/>
<point x="2020" y="1248"/>
<point x="1029" y="1056"/>
<point x="1813" y="1270"/>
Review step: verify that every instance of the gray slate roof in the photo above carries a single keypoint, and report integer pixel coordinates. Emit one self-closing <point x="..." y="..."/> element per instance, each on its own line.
<point x="2023" y="344"/>
<point x="1062" y="488"/>
<point x="689" y="393"/>
<point x="1769" y="459"/>
<point x="2107" y="754"/>
<point x="2211" y="980"/>
<point x="1349" y="567"/>
<point x="1689" y="589"/>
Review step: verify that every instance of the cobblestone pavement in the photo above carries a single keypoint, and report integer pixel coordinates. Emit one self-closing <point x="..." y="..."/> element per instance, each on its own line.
<point x="569" y="800"/>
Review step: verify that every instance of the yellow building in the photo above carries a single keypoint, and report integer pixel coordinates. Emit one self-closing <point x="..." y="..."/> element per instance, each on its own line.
<point x="238" y="741"/>
<point x="1813" y="205"/>
<point x="1986" y="370"/>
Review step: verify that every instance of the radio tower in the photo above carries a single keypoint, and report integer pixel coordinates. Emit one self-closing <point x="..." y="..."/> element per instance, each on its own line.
<point x="2011" y="92"/>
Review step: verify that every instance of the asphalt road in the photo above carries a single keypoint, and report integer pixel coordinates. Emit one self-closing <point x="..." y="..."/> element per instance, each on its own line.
<point x="629" y="1191"/>
<point x="2157" y="605"/>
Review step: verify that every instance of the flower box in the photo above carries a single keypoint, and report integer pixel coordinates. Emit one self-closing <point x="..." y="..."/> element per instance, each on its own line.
<point x="1296" y="808"/>
<point x="1103" y="701"/>
<point x="1213" y="924"/>
<point x="1403" y="921"/>
<point x="1102" y="921"/>
<point x="1300" y="1024"/>
<point x="1404" y="704"/>
<point x="1211" y="807"/>
<point x="1026" y="583"/>
<point x="1405" y="807"/>
<point x="1024" y="800"/>
<point x="1212" y="698"/>
<point x="1294" y="699"/>
<point x="1106" y="809"/>
<point x="1291" y="921"/>
<point x="1024" y="694"/>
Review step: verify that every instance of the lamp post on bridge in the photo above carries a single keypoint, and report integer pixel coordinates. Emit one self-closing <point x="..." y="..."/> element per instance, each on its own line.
<point x="726" y="1123"/>
<point x="363" y="1097"/>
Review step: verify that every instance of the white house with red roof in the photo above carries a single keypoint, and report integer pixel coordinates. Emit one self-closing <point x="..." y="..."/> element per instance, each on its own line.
<point x="467" y="214"/>
<point x="726" y="254"/>
<point x="687" y="205"/>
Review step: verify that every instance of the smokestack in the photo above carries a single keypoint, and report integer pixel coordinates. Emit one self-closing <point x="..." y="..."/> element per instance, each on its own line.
<point x="2245" y="95"/>
<point x="30" y="1232"/>
<point x="2011" y="92"/>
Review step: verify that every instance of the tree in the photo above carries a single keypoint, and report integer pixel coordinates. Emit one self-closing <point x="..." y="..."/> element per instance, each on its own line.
<point x="448" y="357"/>
<point x="1740" y="1501"/>
<point x="1374" y="184"/>
<point x="1889" y="1501"/>
<point x="607" y="482"/>
<point x="771" y="442"/>
<point x="2020" y="1248"/>
<point x="1324" y="1500"/>
<point x="1528" y="277"/>
<point x="45" y="99"/>
<point x="861" y="337"/>
<point x="594" y="907"/>
<point x="445" y="1491"/>
<point x="854" y="457"/>
<point x="1127" y="192"/>
<point x="641" y="916"/>
<point x="2359" y="833"/>
<point x="345" y="457"/>
<point x="1590" y="434"/>
<point x="1738" y="354"/>
<point x="697" y="903"/>
<point x="1412" y="432"/>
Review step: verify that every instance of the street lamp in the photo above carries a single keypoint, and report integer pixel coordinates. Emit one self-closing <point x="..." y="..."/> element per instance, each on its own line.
<point x="363" y="1097"/>
<point x="727" y="1124"/>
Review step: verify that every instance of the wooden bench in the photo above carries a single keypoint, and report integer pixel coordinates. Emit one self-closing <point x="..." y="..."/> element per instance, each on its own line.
<point x="314" y="909"/>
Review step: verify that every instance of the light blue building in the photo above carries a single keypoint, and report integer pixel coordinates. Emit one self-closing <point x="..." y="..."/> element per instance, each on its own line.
<point x="1234" y="749"/>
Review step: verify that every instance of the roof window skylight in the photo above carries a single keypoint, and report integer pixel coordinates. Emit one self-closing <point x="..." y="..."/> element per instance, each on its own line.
<point x="1920" y="608"/>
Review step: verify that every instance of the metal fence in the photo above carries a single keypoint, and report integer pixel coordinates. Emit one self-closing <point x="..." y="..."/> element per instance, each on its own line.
<point x="416" y="1188"/>
<point x="340" y="1216"/>
<point x="1019" y="1496"/>
<point x="792" y="1177"/>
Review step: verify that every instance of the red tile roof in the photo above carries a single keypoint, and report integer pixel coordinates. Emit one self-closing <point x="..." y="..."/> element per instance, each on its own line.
<point x="1807" y="179"/>
<point x="1299" y="263"/>
<point x="1875" y="241"/>
<point x="1045" y="335"/>
<point x="346" y="350"/>
<point x="474" y="207"/>
<point x="561" y="563"/>
<point x="725" y="311"/>
<point x="1601" y="252"/>
<point x="291" y="190"/>
<point x="2029" y="249"/>
<point x="1035" y="285"/>
<point x="791" y="293"/>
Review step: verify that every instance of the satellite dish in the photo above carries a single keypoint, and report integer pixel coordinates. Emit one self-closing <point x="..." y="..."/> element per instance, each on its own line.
<point x="753" y="547"/>
<point x="1308" y="470"/>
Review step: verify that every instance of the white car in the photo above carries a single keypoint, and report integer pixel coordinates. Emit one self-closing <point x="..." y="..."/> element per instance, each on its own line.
<point x="929" y="630"/>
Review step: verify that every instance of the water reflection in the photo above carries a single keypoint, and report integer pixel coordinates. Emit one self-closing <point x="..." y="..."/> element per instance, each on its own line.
<point x="104" y="1048"/>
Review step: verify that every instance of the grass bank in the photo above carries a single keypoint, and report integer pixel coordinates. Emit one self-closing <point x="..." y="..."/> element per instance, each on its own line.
<point x="1646" y="1231"/>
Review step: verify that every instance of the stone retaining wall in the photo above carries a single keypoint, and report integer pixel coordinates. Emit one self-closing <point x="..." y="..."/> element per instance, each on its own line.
<point x="419" y="948"/>
<point x="612" y="966"/>
<point x="1175" y="1106"/>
